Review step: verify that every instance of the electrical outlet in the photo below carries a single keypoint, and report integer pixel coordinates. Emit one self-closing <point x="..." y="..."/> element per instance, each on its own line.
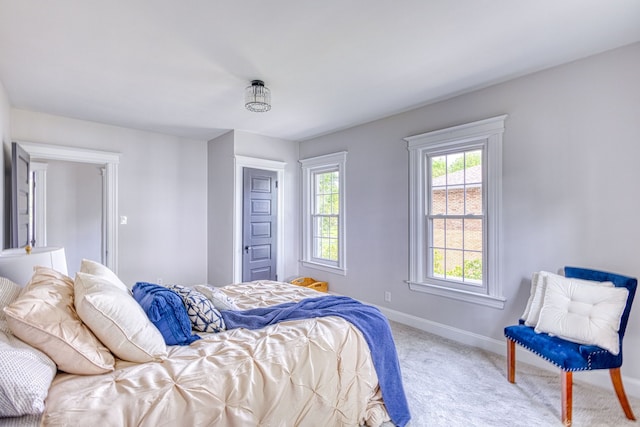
<point x="387" y="296"/>
<point x="159" y="281"/>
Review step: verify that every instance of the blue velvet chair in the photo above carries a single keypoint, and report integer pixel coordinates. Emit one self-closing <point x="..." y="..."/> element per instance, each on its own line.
<point x="569" y="356"/>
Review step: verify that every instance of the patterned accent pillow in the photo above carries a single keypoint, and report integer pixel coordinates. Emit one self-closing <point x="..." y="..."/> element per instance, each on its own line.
<point x="9" y="292"/>
<point x="220" y="300"/>
<point x="202" y="313"/>
<point x="26" y="376"/>
<point x="26" y="372"/>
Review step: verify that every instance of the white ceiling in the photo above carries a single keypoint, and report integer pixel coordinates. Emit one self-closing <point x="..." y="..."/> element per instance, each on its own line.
<point x="180" y="67"/>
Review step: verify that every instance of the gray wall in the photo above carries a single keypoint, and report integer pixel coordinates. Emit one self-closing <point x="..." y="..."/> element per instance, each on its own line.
<point x="162" y="191"/>
<point x="570" y="197"/>
<point x="220" y="209"/>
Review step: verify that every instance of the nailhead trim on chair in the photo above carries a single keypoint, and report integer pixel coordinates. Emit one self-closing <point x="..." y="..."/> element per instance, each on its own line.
<point x="588" y="368"/>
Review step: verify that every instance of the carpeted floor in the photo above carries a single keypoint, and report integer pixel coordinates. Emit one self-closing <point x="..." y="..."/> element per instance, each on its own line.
<point x="450" y="384"/>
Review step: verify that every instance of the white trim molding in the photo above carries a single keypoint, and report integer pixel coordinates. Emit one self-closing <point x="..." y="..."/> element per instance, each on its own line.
<point x="270" y="165"/>
<point x="486" y="134"/>
<point x="40" y="153"/>
<point x="38" y="173"/>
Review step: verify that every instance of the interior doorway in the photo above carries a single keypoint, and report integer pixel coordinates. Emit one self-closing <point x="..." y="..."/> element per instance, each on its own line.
<point x="107" y="162"/>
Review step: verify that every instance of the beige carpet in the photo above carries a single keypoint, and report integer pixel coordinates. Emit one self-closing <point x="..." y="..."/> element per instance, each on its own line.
<point x="450" y="384"/>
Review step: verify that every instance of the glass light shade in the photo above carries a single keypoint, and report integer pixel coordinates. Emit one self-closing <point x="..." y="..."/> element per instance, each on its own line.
<point x="257" y="97"/>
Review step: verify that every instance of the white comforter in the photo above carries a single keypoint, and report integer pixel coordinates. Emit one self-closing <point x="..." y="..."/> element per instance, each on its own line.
<point x="315" y="372"/>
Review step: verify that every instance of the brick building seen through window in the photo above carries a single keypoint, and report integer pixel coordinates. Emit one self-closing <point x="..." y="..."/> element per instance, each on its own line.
<point x="457" y="225"/>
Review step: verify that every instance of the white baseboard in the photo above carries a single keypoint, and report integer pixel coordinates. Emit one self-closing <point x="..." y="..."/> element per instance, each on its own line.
<point x="599" y="378"/>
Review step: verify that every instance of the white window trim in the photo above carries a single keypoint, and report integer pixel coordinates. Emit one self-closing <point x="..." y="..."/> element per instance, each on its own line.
<point x="309" y="167"/>
<point x="490" y="132"/>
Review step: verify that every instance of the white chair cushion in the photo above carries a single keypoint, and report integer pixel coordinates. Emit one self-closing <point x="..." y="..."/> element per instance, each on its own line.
<point x="534" y="285"/>
<point x="583" y="313"/>
<point x="537" y="295"/>
<point x="117" y="319"/>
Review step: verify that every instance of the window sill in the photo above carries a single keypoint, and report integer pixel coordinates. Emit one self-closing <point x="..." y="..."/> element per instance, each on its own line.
<point x="471" y="297"/>
<point x="323" y="267"/>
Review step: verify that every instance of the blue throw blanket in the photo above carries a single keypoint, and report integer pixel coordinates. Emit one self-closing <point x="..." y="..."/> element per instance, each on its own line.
<point x="166" y="311"/>
<point x="369" y="320"/>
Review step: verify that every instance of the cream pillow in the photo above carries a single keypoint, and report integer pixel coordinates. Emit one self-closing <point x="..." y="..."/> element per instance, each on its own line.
<point x="583" y="313"/>
<point x="117" y="319"/>
<point x="540" y="291"/>
<point x="97" y="269"/>
<point x="44" y="317"/>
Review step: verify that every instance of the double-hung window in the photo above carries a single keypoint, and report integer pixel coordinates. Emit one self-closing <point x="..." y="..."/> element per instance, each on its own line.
<point x="323" y="212"/>
<point x="455" y="198"/>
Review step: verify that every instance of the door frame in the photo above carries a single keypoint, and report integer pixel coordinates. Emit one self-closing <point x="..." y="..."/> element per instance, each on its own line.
<point x="271" y="165"/>
<point x="110" y="160"/>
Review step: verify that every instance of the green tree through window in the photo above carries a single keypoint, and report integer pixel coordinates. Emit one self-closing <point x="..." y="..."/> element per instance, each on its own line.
<point x="439" y="165"/>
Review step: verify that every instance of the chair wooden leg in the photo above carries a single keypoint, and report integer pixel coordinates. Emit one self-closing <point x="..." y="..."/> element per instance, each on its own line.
<point x="567" y="396"/>
<point x="616" y="378"/>
<point x="511" y="360"/>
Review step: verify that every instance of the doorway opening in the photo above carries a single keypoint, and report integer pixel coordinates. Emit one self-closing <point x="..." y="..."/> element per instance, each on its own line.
<point x="107" y="162"/>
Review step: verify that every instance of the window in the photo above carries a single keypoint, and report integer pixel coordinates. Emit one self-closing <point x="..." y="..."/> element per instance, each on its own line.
<point x="455" y="198"/>
<point x="323" y="212"/>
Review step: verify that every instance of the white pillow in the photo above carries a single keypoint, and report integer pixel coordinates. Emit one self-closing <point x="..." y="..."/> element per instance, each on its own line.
<point x="534" y="284"/>
<point x="540" y="290"/>
<point x="97" y="269"/>
<point x="220" y="300"/>
<point x="583" y="313"/>
<point x="118" y="320"/>
<point x="26" y="376"/>
<point x="537" y="299"/>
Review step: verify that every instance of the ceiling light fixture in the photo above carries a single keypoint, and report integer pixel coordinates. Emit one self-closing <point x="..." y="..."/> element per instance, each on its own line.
<point x="257" y="97"/>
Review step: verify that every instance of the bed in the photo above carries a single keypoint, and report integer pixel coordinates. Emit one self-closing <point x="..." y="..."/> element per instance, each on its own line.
<point x="306" y="372"/>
